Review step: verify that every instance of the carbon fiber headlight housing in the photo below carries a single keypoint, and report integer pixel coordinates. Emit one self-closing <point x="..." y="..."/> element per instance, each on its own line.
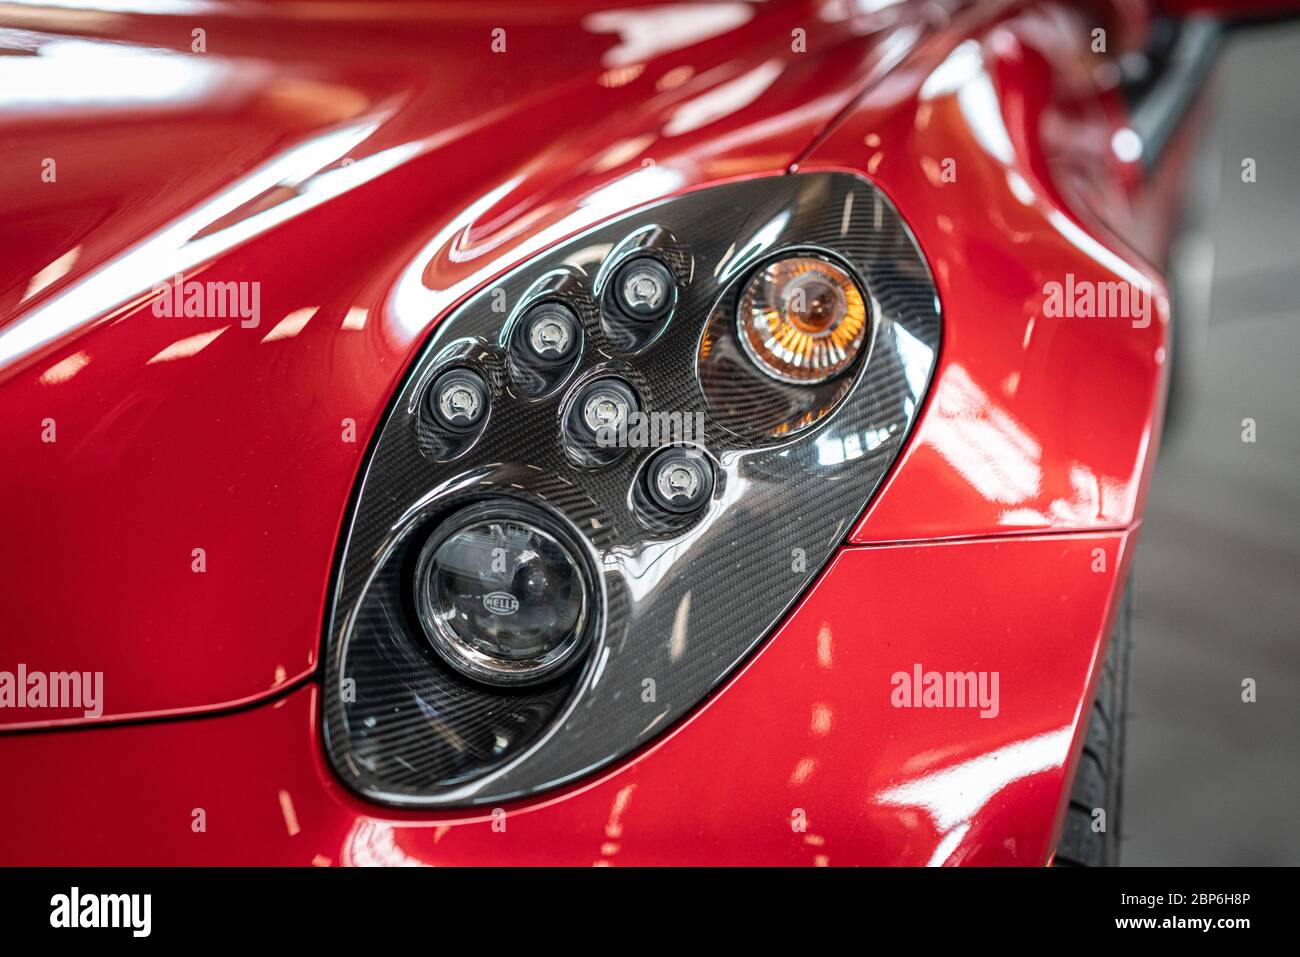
<point x="627" y="585"/>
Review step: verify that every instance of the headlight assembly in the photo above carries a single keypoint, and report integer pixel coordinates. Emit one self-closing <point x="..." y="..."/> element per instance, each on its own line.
<point x="581" y="515"/>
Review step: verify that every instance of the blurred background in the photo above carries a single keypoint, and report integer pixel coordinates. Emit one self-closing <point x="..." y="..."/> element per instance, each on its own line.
<point x="1210" y="779"/>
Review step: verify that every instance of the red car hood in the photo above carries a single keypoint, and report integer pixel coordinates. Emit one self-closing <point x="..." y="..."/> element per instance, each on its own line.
<point x="175" y="485"/>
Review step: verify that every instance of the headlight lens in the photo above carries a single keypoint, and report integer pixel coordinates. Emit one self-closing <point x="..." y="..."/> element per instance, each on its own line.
<point x="500" y="598"/>
<point x="802" y="319"/>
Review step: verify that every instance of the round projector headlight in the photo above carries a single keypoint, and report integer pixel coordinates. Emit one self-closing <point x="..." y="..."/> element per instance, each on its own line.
<point x="802" y="319"/>
<point x="501" y="598"/>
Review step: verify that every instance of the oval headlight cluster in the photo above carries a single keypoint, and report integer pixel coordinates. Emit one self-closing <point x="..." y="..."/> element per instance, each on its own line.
<point x="577" y="517"/>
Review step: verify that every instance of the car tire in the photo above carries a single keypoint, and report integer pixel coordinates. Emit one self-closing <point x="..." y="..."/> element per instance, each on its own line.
<point x="1099" y="778"/>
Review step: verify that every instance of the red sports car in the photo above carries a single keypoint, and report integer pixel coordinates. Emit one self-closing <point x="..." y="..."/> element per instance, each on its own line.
<point x="579" y="432"/>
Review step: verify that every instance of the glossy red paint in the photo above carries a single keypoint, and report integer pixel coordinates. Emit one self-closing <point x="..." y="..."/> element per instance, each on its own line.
<point x="1034" y="422"/>
<point x="368" y="174"/>
<point x="369" y="189"/>
<point x="801" y="759"/>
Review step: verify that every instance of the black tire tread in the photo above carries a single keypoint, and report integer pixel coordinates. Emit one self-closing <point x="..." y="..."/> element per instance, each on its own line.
<point x="1099" y="775"/>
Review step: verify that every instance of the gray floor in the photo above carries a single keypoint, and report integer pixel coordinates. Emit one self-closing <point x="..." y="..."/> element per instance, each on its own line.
<point x="1210" y="779"/>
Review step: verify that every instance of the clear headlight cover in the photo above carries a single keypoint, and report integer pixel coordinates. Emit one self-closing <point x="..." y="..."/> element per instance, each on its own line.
<point x="500" y="598"/>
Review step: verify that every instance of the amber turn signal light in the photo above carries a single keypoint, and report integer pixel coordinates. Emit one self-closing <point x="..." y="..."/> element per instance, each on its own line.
<point x="802" y="319"/>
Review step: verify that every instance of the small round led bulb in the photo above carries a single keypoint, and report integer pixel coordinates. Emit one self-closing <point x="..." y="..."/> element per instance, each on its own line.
<point x="644" y="289"/>
<point x="459" y="399"/>
<point x="603" y="407"/>
<point x="679" y="479"/>
<point x="550" y="332"/>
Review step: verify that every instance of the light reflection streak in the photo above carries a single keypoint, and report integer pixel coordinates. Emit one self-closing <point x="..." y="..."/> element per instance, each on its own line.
<point x="822" y="718"/>
<point x="374" y="844"/>
<point x="1001" y="461"/>
<point x="173" y="250"/>
<point x="71" y="74"/>
<point x="963" y="73"/>
<point x="951" y="798"/>
<point x="917" y="359"/>
<point x="65" y="369"/>
<point x="291" y="325"/>
<point x="833" y="449"/>
<point x="614" y="825"/>
<point x="645" y="33"/>
<point x="412" y="304"/>
<point x="825" y="646"/>
<point x="290" y="815"/>
<point x="1095" y="497"/>
<point x="677" y="641"/>
<point x="184" y="348"/>
<point x="803" y="772"/>
<point x="754" y="248"/>
<point x="723" y="100"/>
<point x="962" y="65"/>
<point x="982" y="442"/>
<point x="52" y="273"/>
<point x="1086" y="244"/>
